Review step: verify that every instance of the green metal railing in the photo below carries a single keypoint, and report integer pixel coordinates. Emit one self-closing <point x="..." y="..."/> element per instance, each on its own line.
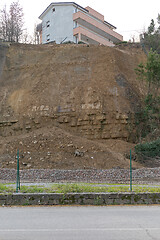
<point x="18" y="176"/>
<point x="130" y="170"/>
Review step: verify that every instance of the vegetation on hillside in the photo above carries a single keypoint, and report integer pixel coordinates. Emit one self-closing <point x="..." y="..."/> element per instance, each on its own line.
<point x="151" y="38"/>
<point x="148" y="119"/>
<point x="11" y="22"/>
<point x="148" y="149"/>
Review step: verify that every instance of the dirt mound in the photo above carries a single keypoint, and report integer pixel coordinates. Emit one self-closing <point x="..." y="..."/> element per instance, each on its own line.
<point x="68" y="106"/>
<point x="56" y="148"/>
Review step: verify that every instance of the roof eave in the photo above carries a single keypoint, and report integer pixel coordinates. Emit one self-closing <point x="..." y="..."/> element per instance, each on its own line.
<point x="107" y="23"/>
<point x="61" y="3"/>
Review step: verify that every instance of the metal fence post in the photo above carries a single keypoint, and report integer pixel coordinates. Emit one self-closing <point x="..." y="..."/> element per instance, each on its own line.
<point x="130" y="170"/>
<point x="18" y="176"/>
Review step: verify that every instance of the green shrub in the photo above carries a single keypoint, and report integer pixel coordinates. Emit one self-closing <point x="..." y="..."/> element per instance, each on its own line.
<point x="149" y="149"/>
<point x="68" y="42"/>
<point x="80" y="42"/>
<point x="121" y="43"/>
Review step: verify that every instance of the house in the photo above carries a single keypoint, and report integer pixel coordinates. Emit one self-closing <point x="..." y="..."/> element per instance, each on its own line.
<point x="70" y="22"/>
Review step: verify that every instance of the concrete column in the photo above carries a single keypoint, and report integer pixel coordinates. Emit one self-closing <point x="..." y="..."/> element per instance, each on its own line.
<point x="79" y="37"/>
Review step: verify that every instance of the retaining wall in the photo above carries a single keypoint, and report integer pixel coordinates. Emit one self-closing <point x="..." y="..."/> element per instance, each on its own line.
<point x="79" y="199"/>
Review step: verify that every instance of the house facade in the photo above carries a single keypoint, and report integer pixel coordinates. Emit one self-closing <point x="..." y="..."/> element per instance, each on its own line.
<point x="68" y="21"/>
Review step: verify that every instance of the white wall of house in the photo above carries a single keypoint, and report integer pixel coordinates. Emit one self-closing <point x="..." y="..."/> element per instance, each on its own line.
<point x="58" y="25"/>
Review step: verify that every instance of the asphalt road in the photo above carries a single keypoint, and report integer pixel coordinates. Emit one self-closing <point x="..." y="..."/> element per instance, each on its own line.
<point x="80" y="223"/>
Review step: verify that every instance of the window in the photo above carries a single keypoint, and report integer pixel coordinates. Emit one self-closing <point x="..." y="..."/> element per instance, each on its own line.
<point x="53" y="9"/>
<point x="48" y="38"/>
<point x="47" y="24"/>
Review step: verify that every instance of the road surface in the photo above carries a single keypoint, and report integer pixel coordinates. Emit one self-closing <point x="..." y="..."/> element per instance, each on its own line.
<point x="80" y="223"/>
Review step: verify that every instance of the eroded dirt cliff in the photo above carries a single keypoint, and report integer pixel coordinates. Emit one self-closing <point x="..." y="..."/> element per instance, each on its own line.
<point x="59" y="99"/>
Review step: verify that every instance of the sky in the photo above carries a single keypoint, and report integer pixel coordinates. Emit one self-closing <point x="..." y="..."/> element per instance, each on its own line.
<point x="130" y="17"/>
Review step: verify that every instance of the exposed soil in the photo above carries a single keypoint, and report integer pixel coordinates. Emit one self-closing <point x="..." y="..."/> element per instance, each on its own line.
<point x="56" y="148"/>
<point x="68" y="106"/>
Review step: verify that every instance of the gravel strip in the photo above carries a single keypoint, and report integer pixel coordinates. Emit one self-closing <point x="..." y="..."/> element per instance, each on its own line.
<point x="143" y="175"/>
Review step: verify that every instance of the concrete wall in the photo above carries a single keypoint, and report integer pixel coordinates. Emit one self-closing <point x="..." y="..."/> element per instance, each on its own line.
<point x="60" y="24"/>
<point x="80" y="199"/>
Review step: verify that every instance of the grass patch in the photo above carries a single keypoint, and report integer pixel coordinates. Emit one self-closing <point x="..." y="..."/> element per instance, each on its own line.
<point x="32" y="189"/>
<point x="79" y="188"/>
<point x="6" y="189"/>
<point x="143" y="189"/>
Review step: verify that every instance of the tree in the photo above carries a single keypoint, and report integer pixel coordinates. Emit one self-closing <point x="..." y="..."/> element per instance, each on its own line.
<point x="151" y="72"/>
<point x="151" y="28"/>
<point x="158" y="20"/>
<point x="11" y="22"/>
<point x="37" y="33"/>
<point x="149" y="117"/>
<point x="4" y="24"/>
<point x="151" y="38"/>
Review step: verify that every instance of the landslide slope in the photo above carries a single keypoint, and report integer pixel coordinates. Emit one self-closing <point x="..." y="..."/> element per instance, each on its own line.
<point x="56" y="99"/>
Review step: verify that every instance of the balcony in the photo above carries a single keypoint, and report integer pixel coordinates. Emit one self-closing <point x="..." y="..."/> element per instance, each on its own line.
<point x="87" y="36"/>
<point x="97" y="27"/>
